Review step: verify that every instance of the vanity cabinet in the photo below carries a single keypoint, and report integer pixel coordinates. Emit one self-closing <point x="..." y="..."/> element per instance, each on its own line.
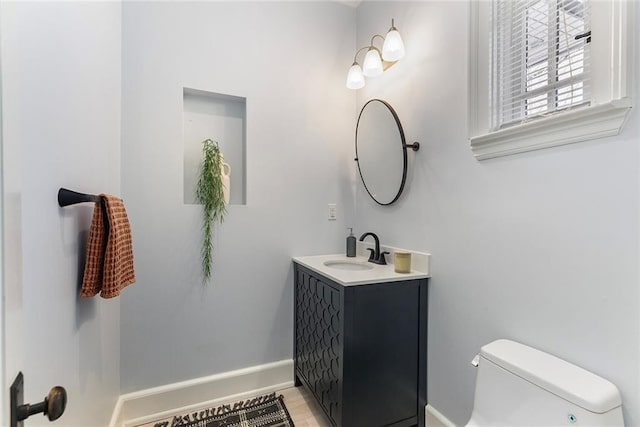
<point x="361" y="350"/>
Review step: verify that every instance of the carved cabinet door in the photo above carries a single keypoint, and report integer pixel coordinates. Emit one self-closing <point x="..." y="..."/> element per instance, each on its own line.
<point x="319" y="341"/>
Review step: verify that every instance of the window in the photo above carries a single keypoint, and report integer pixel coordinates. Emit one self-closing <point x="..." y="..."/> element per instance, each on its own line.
<point x="539" y="77"/>
<point x="540" y="58"/>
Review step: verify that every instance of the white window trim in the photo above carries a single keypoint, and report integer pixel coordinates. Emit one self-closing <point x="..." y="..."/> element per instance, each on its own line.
<point x="611" y="62"/>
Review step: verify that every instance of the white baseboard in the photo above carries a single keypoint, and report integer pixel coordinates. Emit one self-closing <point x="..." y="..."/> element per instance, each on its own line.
<point x="154" y="403"/>
<point x="440" y="420"/>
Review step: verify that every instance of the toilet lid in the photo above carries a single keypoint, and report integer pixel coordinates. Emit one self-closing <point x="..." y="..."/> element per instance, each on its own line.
<point x="555" y="375"/>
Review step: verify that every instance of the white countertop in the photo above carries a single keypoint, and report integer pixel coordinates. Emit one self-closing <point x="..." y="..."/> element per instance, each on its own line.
<point x="378" y="274"/>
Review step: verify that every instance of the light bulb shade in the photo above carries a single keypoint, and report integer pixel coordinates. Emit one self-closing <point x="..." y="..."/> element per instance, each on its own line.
<point x="393" y="48"/>
<point x="372" y="65"/>
<point x="355" y="78"/>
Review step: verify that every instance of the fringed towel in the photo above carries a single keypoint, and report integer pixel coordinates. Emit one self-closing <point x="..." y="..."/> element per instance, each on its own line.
<point x="109" y="263"/>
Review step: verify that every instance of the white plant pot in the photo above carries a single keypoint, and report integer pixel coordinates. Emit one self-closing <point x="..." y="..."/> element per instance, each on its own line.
<point x="226" y="179"/>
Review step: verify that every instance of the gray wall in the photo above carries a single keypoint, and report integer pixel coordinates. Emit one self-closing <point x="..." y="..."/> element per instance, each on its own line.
<point x="541" y="248"/>
<point x="61" y="122"/>
<point x="288" y="60"/>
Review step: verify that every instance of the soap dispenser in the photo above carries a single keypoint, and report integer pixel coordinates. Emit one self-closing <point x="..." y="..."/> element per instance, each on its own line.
<point x="351" y="244"/>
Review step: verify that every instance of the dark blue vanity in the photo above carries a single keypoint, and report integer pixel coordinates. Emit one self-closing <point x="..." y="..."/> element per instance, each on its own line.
<point x="361" y="349"/>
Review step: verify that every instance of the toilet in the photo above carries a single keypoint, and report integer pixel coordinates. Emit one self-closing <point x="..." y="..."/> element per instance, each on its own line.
<point x="517" y="385"/>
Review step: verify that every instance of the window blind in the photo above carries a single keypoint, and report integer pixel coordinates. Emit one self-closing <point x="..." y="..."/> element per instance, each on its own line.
<point x="539" y="58"/>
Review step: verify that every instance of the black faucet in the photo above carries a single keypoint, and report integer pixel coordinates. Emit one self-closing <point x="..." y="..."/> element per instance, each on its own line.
<point x="375" y="257"/>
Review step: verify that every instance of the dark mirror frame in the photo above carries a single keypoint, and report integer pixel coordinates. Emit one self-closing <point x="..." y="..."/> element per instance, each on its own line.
<point x="403" y="146"/>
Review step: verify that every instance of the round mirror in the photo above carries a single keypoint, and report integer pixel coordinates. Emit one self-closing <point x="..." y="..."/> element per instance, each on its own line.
<point x="381" y="151"/>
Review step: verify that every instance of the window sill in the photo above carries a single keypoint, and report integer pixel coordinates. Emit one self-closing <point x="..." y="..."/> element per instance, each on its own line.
<point x="573" y="126"/>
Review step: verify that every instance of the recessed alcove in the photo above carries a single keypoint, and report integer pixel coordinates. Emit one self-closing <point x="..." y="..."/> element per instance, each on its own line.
<point x="221" y="118"/>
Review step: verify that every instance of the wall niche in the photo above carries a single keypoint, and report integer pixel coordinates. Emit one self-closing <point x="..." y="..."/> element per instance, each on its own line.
<point x="221" y="118"/>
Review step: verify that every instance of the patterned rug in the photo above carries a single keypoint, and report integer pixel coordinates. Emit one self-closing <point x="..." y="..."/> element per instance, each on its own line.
<point x="263" y="411"/>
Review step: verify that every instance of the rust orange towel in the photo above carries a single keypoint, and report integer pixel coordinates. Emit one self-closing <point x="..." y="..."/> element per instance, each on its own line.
<point x="109" y="262"/>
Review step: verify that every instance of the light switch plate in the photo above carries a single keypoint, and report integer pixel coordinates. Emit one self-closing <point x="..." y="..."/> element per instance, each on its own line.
<point x="332" y="212"/>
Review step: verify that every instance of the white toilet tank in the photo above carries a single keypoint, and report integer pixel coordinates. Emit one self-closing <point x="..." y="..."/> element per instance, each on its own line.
<point x="518" y="385"/>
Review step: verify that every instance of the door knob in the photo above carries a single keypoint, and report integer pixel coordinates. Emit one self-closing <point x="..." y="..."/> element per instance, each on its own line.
<point x="52" y="406"/>
<point x="56" y="402"/>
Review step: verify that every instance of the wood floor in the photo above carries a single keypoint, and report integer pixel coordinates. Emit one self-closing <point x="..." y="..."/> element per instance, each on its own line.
<point x="304" y="410"/>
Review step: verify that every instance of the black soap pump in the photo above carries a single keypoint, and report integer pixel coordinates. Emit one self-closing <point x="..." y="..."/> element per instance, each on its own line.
<point x="351" y="244"/>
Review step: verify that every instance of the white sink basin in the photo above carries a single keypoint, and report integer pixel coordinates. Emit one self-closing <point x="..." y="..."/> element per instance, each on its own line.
<point x="348" y="265"/>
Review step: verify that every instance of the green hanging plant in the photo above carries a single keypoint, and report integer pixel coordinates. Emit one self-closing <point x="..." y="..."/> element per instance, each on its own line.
<point x="210" y="195"/>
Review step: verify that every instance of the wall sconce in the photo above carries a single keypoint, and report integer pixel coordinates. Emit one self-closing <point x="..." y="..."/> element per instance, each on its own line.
<point x="375" y="63"/>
